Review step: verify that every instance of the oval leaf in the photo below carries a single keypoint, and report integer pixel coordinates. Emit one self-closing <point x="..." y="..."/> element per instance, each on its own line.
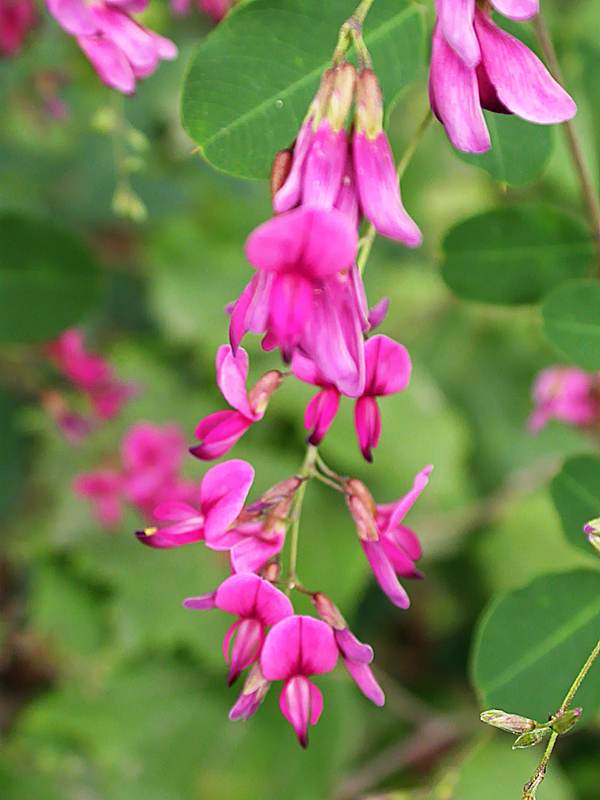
<point x="250" y="82"/>
<point x="514" y="255"/>
<point x="48" y="280"/>
<point x="576" y="494"/>
<point x="531" y="644"/>
<point x="520" y="150"/>
<point x="571" y="316"/>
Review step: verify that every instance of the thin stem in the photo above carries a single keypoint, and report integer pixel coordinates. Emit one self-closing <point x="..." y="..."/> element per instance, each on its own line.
<point x="538" y="776"/>
<point x="326" y="469"/>
<point x="351" y="31"/>
<point x="588" y="190"/>
<point x="362" y="10"/>
<point x="306" y="471"/>
<point x="328" y="482"/>
<point x="406" y="158"/>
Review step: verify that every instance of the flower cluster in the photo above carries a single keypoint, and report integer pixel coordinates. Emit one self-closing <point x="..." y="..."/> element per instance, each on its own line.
<point x="92" y="376"/>
<point x="121" y="50"/>
<point x="148" y="474"/>
<point x="17" y="18"/>
<point x="475" y="64"/>
<point x="567" y="394"/>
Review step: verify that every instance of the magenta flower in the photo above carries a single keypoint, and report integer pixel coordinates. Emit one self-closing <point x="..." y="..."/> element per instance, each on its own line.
<point x="306" y="293"/>
<point x="217" y="9"/>
<point x="374" y="168"/>
<point x="387" y="371"/>
<point x="294" y="649"/>
<point x="151" y="456"/>
<point x="567" y="394"/>
<point x="121" y="50"/>
<point x="251" y="696"/>
<point x="356" y="655"/>
<point x="220" y="431"/>
<point x="17" y="19"/>
<point x="222" y="493"/>
<point x="475" y="64"/>
<point x="257" y="604"/>
<point x="390" y="547"/>
<point x="104" y="489"/>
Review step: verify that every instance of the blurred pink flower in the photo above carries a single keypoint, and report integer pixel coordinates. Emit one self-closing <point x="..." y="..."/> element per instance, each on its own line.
<point x="257" y="604"/>
<point x="476" y="64"/>
<point x="567" y="394"/>
<point x="296" y="648"/>
<point x="152" y="456"/>
<point x="121" y="50"/>
<point x="390" y="547"/>
<point x="17" y="19"/>
<point x="104" y="489"/>
<point x="219" y="432"/>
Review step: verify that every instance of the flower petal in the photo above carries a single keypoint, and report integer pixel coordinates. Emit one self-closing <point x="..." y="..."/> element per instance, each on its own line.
<point x="384" y="574"/>
<point x="218" y="434"/>
<point x="456" y="22"/>
<point x="290" y="194"/>
<point x="519" y="10"/>
<point x="232" y="375"/>
<point x="367" y="421"/>
<point x="388" y="366"/>
<point x="351" y="648"/>
<point x="247" y="595"/>
<point x="298" y="645"/>
<point x="324" y="168"/>
<point x="403" y="506"/>
<point x="223" y="491"/>
<point x="301" y="703"/>
<point x="110" y="63"/>
<point x="363" y="676"/>
<point x="320" y="413"/>
<point x="74" y="16"/>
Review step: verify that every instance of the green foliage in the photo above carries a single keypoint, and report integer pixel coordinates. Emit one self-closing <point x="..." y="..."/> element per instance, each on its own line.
<point x="250" y="82"/>
<point x="515" y="255"/>
<point x="532" y="642"/>
<point x="49" y="279"/>
<point x="11" y="453"/>
<point x="571" y="316"/>
<point x="576" y="495"/>
<point x="520" y="150"/>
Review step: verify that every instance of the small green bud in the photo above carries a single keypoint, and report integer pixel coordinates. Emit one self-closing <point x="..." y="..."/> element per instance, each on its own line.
<point x="126" y="203"/>
<point x="513" y="723"/>
<point x="137" y="140"/>
<point x="563" y="723"/>
<point x="104" y="120"/>
<point x="531" y="738"/>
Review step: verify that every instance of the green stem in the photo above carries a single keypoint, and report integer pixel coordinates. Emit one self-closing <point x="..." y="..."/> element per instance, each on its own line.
<point x="362" y="10"/>
<point x="588" y="191"/>
<point x="538" y="776"/>
<point x="369" y="237"/>
<point x="351" y="31"/>
<point x="306" y="471"/>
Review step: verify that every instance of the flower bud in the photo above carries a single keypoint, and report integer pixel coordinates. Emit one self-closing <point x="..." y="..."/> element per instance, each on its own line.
<point x="531" y="738"/>
<point x="280" y="169"/>
<point x="329" y="612"/>
<point x="261" y="392"/>
<point x="272" y="572"/>
<point x="342" y="94"/>
<point x="362" y="506"/>
<point x="513" y="723"/>
<point x="563" y="722"/>
<point x="369" y="104"/>
<point x="592" y="530"/>
<point x="318" y="107"/>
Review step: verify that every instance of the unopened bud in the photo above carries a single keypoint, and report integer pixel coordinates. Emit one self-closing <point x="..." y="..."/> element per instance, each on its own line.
<point x="563" y="722"/>
<point x="282" y="490"/>
<point x="531" y="738"/>
<point x="280" y="169"/>
<point x="261" y="392"/>
<point x="318" y="106"/>
<point x="272" y="572"/>
<point x="513" y="723"/>
<point x="342" y="94"/>
<point x="104" y="120"/>
<point x="362" y="506"/>
<point x="592" y="531"/>
<point x="369" y="104"/>
<point x="329" y="612"/>
<point x="126" y="203"/>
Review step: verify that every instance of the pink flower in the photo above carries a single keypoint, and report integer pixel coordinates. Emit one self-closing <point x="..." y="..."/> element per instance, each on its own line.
<point x="251" y="697"/>
<point x="257" y="604"/>
<point x="390" y="547"/>
<point x="151" y="455"/>
<point x="374" y="168"/>
<point x="104" y="489"/>
<point x="567" y="394"/>
<point x="387" y="371"/>
<point x="475" y="64"/>
<point x="220" y="431"/>
<point x="121" y="50"/>
<point x="356" y="655"/>
<point x="306" y="293"/>
<point x="222" y="493"/>
<point x="17" y="18"/>
<point x="294" y="649"/>
<point x="216" y="9"/>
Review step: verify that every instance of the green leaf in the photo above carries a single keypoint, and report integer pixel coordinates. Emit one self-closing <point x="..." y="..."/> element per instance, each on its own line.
<point x="576" y="494"/>
<point x="520" y="150"/>
<point x="49" y="280"/>
<point x="515" y="255"/>
<point x="11" y="455"/>
<point x="531" y="644"/>
<point x="250" y="82"/>
<point x="571" y="315"/>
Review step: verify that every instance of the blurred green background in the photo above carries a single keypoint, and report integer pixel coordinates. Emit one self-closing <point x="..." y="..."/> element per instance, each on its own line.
<point x="110" y="690"/>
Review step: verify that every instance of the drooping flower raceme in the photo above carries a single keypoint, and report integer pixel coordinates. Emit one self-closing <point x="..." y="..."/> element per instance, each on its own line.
<point x="257" y="604"/>
<point x="475" y="65"/>
<point x="390" y="547"/>
<point x="387" y="371"/>
<point x="121" y="50"/>
<point x="220" y="431"/>
<point x="567" y="394"/>
<point x="17" y="19"/>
